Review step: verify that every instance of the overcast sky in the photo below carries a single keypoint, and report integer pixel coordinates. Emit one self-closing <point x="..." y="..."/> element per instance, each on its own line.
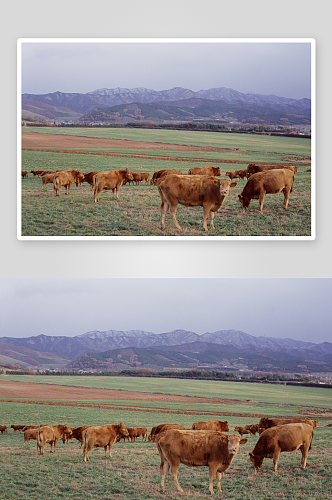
<point x="294" y="308"/>
<point x="281" y="68"/>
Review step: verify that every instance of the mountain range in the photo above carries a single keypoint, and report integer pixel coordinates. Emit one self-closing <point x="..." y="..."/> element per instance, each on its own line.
<point x="122" y="105"/>
<point x="116" y="350"/>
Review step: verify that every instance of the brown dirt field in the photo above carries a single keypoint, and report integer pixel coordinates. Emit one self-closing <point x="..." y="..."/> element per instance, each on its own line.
<point x="75" y="395"/>
<point x="33" y="139"/>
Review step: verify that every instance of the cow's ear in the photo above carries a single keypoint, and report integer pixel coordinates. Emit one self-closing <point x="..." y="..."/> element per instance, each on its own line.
<point x="251" y="455"/>
<point x="233" y="184"/>
<point x="243" y="440"/>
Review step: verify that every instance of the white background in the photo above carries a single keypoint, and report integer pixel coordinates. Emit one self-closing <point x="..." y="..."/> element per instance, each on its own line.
<point x="169" y="18"/>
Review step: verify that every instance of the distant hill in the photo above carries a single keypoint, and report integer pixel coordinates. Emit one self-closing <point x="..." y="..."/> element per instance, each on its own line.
<point x="135" y="105"/>
<point x="176" y="349"/>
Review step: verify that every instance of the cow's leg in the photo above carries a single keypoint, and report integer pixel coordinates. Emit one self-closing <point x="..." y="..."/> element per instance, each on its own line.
<point x="261" y="200"/>
<point x="286" y="196"/>
<point x="174" y="475"/>
<point x="164" y="469"/>
<point x="164" y="209"/>
<point x="172" y="211"/>
<point x="219" y="477"/>
<point x="304" y="450"/>
<point x="276" y="458"/>
<point x="96" y="199"/>
<point x="212" y="474"/>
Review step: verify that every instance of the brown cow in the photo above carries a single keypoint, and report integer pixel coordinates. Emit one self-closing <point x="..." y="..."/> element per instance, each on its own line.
<point x="204" y="171"/>
<point x="49" y="434"/>
<point x="18" y="427"/>
<point x="133" y="433"/>
<point x="36" y="172"/>
<point x="288" y="437"/>
<point x="242" y="430"/>
<point x="232" y="175"/>
<point x="103" y="435"/>
<point x="191" y="191"/>
<point x="211" y="425"/>
<point x="24" y="174"/>
<point x="267" y="423"/>
<point x="88" y="177"/>
<point x="162" y="427"/>
<point x="48" y="178"/>
<point x="77" y="433"/>
<point x="66" y="178"/>
<point x="3" y="428"/>
<point x="253" y="169"/>
<point x="267" y="182"/>
<point x="30" y="433"/>
<point x="161" y="173"/>
<point x="212" y="449"/>
<point x="110" y="180"/>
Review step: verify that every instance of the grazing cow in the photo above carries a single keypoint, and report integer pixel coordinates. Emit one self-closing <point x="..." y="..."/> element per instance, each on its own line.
<point x="242" y="174"/>
<point x="242" y="430"/>
<point x="49" y="434"/>
<point x="253" y="428"/>
<point x="204" y="171"/>
<point x="3" y="428"/>
<point x="36" y="172"/>
<point x="48" y="178"/>
<point x="24" y="174"/>
<point x="110" y="180"/>
<point x="212" y="449"/>
<point x="103" y="435"/>
<point x="288" y="437"/>
<point x="133" y="433"/>
<point x="267" y="182"/>
<point x="267" y="423"/>
<point x="232" y="175"/>
<point x="145" y="177"/>
<point x="191" y="191"/>
<point x="18" y="427"/>
<point x="162" y="427"/>
<point x="211" y="425"/>
<point x="66" y="178"/>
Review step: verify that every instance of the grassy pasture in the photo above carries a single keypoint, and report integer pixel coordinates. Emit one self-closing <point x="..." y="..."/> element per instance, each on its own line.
<point x="133" y="471"/>
<point x="137" y="211"/>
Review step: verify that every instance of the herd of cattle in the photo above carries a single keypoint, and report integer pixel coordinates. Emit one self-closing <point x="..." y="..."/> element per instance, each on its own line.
<point x="201" y="186"/>
<point x="205" y="444"/>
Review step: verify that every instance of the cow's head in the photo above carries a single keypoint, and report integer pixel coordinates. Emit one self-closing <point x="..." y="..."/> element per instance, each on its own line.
<point x="128" y="175"/>
<point x="79" y="177"/>
<point x="225" y="185"/>
<point x="233" y="442"/>
<point x="245" y="201"/>
<point x="123" y="431"/>
<point x="257" y="460"/>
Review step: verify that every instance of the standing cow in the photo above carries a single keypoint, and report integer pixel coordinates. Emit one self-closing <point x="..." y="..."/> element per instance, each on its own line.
<point x="102" y="436"/>
<point x="110" y="180"/>
<point x="204" y="191"/>
<point x="211" y="449"/>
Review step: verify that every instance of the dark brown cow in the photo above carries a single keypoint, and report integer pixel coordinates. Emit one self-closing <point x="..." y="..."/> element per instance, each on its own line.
<point x="211" y="425"/>
<point x="288" y="437"/>
<point x="110" y="180"/>
<point x="191" y="191"/>
<point x="77" y="433"/>
<point x="242" y="430"/>
<point x="18" y="427"/>
<point x="88" y="177"/>
<point x="24" y="174"/>
<point x="211" y="449"/>
<point x="267" y="423"/>
<point x="267" y="182"/>
<point x="3" y="428"/>
<point x="30" y="433"/>
<point x="104" y="436"/>
<point x="36" y="172"/>
<point x="161" y="173"/>
<point x="162" y="427"/>
<point x="204" y="171"/>
<point x="49" y="434"/>
<point x="133" y="433"/>
<point x="232" y="175"/>
<point x="66" y="178"/>
<point x="253" y="169"/>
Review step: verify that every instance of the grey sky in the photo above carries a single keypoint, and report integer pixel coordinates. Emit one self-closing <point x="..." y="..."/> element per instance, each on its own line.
<point x="280" y="68"/>
<point x="294" y="308"/>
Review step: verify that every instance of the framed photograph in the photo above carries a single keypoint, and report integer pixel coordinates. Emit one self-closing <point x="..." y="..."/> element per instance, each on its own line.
<point x="165" y="139"/>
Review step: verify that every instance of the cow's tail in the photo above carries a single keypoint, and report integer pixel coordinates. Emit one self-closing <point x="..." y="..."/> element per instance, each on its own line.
<point x="39" y="435"/>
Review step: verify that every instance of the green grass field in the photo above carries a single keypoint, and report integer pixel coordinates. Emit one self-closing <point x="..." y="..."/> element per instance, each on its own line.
<point x="137" y="211"/>
<point x="133" y="471"/>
